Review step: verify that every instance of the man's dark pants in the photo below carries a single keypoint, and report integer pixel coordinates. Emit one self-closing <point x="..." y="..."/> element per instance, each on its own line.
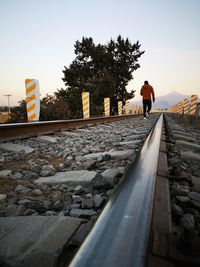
<point x="146" y="106"/>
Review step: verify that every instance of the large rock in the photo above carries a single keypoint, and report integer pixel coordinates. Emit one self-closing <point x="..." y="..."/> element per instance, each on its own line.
<point x="196" y="183"/>
<point x="187" y="146"/>
<point x="87" y="203"/>
<point x="177" y="211"/>
<point x="47" y="138"/>
<point x="98" y="201"/>
<point x="47" y="170"/>
<point x="176" y="127"/>
<point x="100" y="183"/>
<point x="79" y="213"/>
<point x="135" y="143"/>
<point x="184" y="138"/>
<point x="36" y="192"/>
<point x="36" y="240"/>
<point x="194" y="196"/>
<point x="187" y="221"/>
<point x="16" y="148"/>
<point x="111" y="175"/>
<point x="5" y="173"/>
<point x="3" y="198"/>
<point x="68" y="178"/>
<point x="69" y="133"/>
<point x="183" y="199"/>
<point x="22" y="189"/>
<point x="180" y="132"/>
<point x="190" y="155"/>
<point x="17" y="175"/>
<point x="114" y="154"/>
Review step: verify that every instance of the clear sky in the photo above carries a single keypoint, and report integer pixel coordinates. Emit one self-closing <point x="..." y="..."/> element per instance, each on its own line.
<point x="38" y="36"/>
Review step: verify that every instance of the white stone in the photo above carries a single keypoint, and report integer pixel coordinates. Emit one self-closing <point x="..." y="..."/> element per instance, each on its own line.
<point x="16" y="147"/>
<point x="176" y="127"/>
<point x="113" y="154"/>
<point x="79" y="213"/>
<point x="2" y="197"/>
<point x="5" y="173"/>
<point x="83" y="131"/>
<point x="190" y="155"/>
<point x="68" y="178"/>
<point x="70" y="133"/>
<point x="184" y="138"/>
<point x="36" y="192"/>
<point x="180" y="133"/>
<point x="47" y="170"/>
<point x="47" y="138"/>
<point x="111" y="173"/>
<point x="135" y="142"/>
<point x="17" y="175"/>
<point x="187" y="145"/>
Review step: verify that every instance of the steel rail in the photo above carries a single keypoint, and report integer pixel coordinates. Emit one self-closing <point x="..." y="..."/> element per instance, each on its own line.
<point x="121" y="234"/>
<point x="21" y="130"/>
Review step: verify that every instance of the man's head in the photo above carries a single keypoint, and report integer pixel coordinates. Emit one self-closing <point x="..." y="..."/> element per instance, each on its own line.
<point x="146" y="82"/>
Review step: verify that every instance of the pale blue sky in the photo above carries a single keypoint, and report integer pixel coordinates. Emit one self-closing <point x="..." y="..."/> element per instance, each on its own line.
<point x="38" y="36"/>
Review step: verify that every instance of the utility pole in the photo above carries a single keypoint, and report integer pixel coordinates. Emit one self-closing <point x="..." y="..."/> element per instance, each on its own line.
<point x="8" y="96"/>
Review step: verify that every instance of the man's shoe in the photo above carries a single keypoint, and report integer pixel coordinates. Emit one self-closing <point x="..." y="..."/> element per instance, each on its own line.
<point x="145" y="118"/>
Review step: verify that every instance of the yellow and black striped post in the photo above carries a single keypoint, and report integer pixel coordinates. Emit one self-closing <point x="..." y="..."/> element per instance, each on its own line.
<point x="193" y="104"/>
<point x="32" y="99"/>
<point x="119" y="107"/>
<point x="86" y="105"/>
<point x="133" y="108"/>
<point x="177" y="108"/>
<point x="127" y="107"/>
<point x="181" y="106"/>
<point x="136" y="109"/>
<point x="186" y="104"/>
<point x="107" y="106"/>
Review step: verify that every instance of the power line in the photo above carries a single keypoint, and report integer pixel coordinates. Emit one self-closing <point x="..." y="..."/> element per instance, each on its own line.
<point x="8" y="96"/>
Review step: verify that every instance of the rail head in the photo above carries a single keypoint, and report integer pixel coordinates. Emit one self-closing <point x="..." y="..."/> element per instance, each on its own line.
<point x="121" y="233"/>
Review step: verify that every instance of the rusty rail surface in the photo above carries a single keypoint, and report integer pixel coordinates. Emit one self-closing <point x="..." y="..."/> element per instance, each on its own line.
<point x="21" y="130"/>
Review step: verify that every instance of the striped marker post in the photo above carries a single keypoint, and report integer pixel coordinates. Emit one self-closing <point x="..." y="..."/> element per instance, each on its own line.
<point x="86" y="105"/>
<point x="136" y="109"/>
<point x="32" y="99"/>
<point x="193" y="104"/>
<point x="107" y="106"/>
<point x="127" y="107"/>
<point x="177" y="108"/>
<point x="186" y="104"/>
<point x="181" y="106"/>
<point x="119" y="107"/>
<point x="133" y="108"/>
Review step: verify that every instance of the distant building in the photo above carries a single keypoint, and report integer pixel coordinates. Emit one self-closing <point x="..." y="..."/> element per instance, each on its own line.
<point x="4" y="116"/>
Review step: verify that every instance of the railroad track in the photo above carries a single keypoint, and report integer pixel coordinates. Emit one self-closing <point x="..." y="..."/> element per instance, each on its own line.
<point x="61" y="183"/>
<point x="24" y="130"/>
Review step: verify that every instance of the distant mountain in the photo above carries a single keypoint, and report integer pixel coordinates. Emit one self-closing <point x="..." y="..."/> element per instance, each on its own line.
<point x="166" y="101"/>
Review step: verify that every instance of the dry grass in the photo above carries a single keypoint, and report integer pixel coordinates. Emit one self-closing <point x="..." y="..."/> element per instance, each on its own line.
<point x="6" y="184"/>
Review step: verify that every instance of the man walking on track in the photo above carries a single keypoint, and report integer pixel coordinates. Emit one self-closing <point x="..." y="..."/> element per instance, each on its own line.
<point x="146" y="93"/>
